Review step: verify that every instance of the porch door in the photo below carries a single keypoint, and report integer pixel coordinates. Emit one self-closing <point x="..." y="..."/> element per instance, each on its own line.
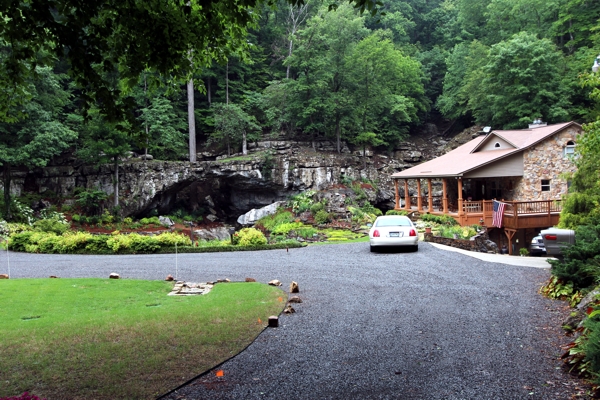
<point x="479" y="190"/>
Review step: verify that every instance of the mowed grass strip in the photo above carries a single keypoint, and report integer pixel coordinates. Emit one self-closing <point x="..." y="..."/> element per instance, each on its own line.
<point x="109" y="339"/>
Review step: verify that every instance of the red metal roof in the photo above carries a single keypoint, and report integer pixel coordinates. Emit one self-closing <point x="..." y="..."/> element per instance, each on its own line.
<point x="469" y="157"/>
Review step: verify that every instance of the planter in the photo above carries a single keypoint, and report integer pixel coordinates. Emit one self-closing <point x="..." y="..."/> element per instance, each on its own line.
<point x="427" y="230"/>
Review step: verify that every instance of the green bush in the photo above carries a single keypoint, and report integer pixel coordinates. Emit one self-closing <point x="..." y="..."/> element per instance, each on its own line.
<point x="581" y="261"/>
<point x="270" y="222"/>
<point x="315" y="208"/>
<point x="322" y="217"/>
<point x="306" y="232"/>
<point x="150" y="221"/>
<point x="439" y="219"/>
<point x="461" y="232"/>
<point x="91" y="200"/>
<point x="360" y="217"/>
<point x="250" y="237"/>
<point x="370" y="209"/>
<point x="302" y="202"/>
<point x="396" y="212"/>
<point x="284" y="229"/>
<point x="51" y="225"/>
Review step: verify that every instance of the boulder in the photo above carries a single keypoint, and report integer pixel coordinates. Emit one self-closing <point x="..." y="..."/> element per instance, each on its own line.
<point x="254" y="215"/>
<point x="114" y="275"/>
<point x="295" y="299"/>
<point x="250" y="280"/>
<point x="166" y="221"/>
<point x="220" y="233"/>
<point x="3" y="276"/>
<point x="275" y="282"/>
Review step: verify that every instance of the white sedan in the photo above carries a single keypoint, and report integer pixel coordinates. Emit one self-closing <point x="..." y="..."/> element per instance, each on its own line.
<point x="392" y="231"/>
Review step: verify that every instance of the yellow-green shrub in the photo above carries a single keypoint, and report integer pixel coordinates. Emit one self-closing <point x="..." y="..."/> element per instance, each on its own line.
<point x="169" y="239"/>
<point x="250" y="237"/>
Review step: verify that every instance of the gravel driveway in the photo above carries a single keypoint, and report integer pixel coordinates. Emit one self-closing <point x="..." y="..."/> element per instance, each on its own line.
<point x="429" y="325"/>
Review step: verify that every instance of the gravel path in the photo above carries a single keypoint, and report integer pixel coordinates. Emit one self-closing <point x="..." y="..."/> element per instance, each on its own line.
<point x="429" y="325"/>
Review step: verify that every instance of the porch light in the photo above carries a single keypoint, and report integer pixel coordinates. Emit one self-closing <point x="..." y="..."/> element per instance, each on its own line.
<point x="596" y="65"/>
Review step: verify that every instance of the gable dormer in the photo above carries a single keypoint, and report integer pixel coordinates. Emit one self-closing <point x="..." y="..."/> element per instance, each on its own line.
<point x="493" y="142"/>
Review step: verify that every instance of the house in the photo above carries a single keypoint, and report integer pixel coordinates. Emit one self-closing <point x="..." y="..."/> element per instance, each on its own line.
<point x="524" y="169"/>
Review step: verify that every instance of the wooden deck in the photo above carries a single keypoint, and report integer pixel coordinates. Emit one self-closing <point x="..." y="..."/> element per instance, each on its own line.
<point x="517" y="214"/>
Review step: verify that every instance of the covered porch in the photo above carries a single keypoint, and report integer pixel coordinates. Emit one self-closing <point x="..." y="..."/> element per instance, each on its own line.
<point x="474" y="211"/>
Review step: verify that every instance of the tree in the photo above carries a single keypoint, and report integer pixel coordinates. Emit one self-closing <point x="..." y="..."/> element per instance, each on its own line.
<point x="522" y="82"/>
<point x="164" y="129"/>
<point x="233" y="126"/>
<point x="39" y="131"/>
<point x="105" y="142"/>
<point x="387" y="88"/>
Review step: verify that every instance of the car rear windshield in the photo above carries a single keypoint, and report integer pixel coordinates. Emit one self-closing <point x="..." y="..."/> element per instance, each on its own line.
<point x="393" y="222"/>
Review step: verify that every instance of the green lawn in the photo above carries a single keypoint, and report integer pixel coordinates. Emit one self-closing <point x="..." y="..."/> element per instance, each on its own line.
<point x="106" y="339"/>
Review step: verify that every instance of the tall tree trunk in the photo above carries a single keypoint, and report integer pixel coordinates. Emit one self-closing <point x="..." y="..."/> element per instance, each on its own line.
<point x="146" y="122"/>
<point x="208" y="89"/>
<point x="244" y="143"/>
<point x="191" y="120"/>
<point x="227" y="83"/>
<point x="116" y="182"/>
<point x="7" y="178"/>
<point x="337" y="133"/>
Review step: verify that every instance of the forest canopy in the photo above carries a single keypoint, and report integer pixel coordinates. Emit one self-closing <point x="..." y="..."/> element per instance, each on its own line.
<point x="300" y="68"/>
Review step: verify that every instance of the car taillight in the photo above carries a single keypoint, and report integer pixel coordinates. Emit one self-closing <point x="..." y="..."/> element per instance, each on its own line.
<point x="412" y="233"/>
<point x="550" y="237"/>
<point x="375" y="233"/>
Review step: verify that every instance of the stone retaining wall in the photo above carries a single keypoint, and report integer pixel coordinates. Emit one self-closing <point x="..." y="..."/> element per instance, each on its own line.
<point x="480" y="243"/>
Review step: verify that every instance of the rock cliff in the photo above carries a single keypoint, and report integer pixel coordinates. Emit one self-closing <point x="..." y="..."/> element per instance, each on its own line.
<point x="229" y="186"/>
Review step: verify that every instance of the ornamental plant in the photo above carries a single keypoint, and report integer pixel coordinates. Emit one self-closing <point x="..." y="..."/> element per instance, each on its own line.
<point x="250" y="237"/>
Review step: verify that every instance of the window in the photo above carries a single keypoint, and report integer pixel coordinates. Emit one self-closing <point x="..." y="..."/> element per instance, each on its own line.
<point x="545" y="185"/>
<point x="569" y="149"/>
<point x="497" y="144"/>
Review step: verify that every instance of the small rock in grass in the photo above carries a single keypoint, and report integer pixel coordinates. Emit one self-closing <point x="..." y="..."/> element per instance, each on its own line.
<point x="295" y="299"/>
<point x="250" y="280"/>
<point x="3" y="276"/>
<point x="169" y="278"/>
<point x="223" y="280"/>
<point x="275" y="282"/>
<point x="294" y="288"/>
<point x="114" y="275"/>
<point x="289" y="309"/>
<point x="53" y="276"/>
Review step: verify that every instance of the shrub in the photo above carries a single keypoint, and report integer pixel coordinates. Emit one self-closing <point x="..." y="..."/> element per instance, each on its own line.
<point x="302" y="202"/>
<point x="170" y="239"/>
<point x="439" y="219"/>
<point x="360" y="217"/>
<point x="370" y="209"/>
<point x="250" y="237"/>
<point x="150" y="221"/>
<point x="396" y="212"/>
<point x="464" y="232"/>
<point x="315" y="208"/>
<point x="91" y="200"/>
<point x="306" y="232"/>
<point x="284" y="229"/>
<point x="581" y="263"/>
<point x="96" y="243"/>
<point x="322" y="217"/>
<point x="51" y="225"/>
<point x="270" y="222"/>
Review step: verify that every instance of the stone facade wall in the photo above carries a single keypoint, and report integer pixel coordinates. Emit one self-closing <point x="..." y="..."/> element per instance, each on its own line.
<point x="546" y="160"/>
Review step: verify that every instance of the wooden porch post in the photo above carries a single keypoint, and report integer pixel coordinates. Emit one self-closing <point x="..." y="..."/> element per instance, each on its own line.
<point x="460" y="198"/>
<point x="444" y="196"/>
<point x="406" y="196"/>
<point x="509" y="235"/>
<point x="419" y="200"/>
<point x="429" y="196"/>
<point x="397" y="205"/>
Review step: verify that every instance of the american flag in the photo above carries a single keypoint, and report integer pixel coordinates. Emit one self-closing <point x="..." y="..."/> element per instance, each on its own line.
<point x="498" y="213"/>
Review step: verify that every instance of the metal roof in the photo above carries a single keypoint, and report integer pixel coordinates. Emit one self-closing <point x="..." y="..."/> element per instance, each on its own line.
<point x="469" y="156"/>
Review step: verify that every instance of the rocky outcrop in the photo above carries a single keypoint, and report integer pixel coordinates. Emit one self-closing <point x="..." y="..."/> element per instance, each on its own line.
<point x="254" y="215"/>
<point x="272" y="172"/>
